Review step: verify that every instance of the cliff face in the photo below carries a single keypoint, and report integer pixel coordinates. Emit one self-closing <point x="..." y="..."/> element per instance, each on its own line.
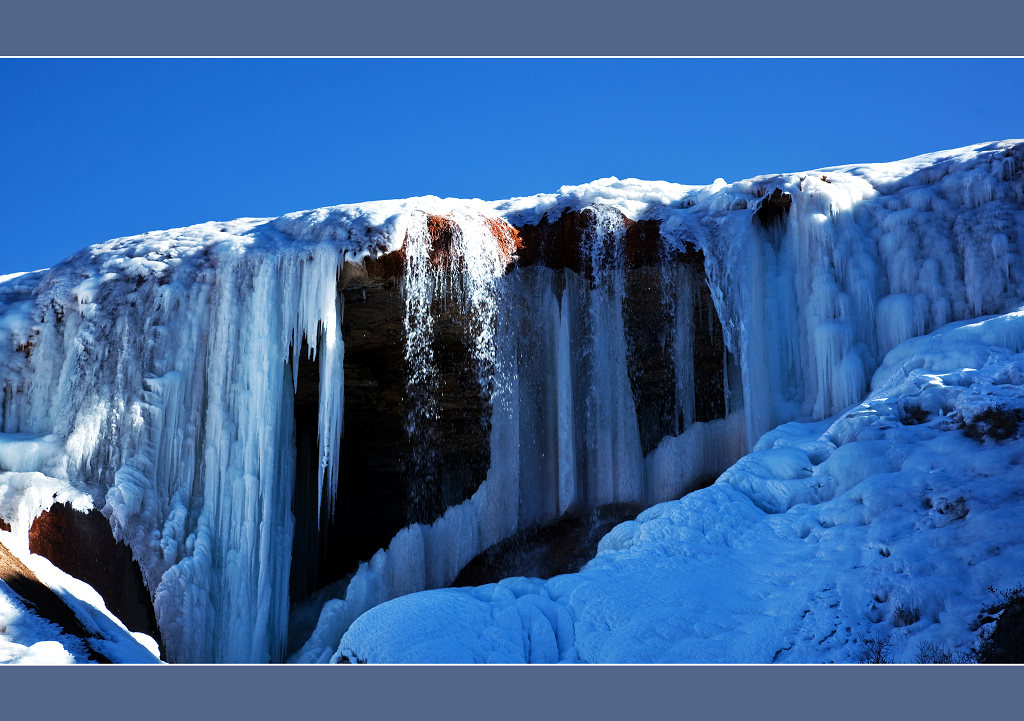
<point x="393" y="478"/>
<point x="46" y="604"/>
<point x="562" y="244"/>
<point x="381" y="461"/>
<point x="82" y="545"/>
<point x="299" y="418"/>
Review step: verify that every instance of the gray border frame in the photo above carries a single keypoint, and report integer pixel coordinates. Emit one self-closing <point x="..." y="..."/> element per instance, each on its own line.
<point x="523" y="27"/>
<point x="516" y="27"/>
<point x="493" y="693"/>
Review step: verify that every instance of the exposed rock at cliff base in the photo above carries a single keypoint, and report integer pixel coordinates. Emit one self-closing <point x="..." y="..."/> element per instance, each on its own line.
<point x="82" y="545"/>
<point x="44" y="602"/>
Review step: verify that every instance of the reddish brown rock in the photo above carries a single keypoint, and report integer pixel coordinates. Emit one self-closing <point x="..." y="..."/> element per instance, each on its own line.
<point x="555" y="244"/>
<point x="442" y="230"/>
<point x="389" y="266"/>
<point x="643" y="244"/>
<point x="38" y="597"/>
<point x="442" y="237"/>
<point x="82" y="545"/>
<point x="508" y="238"/>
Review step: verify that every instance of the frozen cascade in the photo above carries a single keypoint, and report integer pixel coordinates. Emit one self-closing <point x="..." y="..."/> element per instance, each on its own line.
<point x="614" y="460"/>
<point x="564" y="429"/>
<point x="154" y="372"/>
<point x="867" y="257"/>
<point x="162" y="363"/>
<point x="452" y="264"/>
<point x="864" y="258"/>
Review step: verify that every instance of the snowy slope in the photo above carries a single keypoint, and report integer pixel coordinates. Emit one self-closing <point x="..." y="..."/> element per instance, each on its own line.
<point x="48" y="617"/>
<point x="890" y="521"/>
<point x="152" y="373"/>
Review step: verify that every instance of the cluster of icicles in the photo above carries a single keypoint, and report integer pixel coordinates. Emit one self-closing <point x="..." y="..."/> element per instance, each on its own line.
<point x="550" y="347"/>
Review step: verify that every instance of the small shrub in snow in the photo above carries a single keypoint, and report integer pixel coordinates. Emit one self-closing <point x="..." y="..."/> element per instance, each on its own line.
<point x="876" y="650"/>
<point x="905" y="615"/>
<point x="996" y="423"/>
<point x="913" y="415"/>
<point x="929" y="652"/>
<point x="955" y="509"/>
<point x="1006" y="642"/>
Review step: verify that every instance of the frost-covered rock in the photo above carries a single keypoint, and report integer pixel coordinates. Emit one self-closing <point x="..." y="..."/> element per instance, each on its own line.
<point x="48" y="617"/>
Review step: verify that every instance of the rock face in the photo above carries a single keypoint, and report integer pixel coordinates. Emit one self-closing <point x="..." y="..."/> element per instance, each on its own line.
<point x="400" y="466"/>
<point x="775" y="207"/>
<point x="542" y="552"/>
<point x="44" y="602"/>
<point x="560" y="244"/>
<point x="82" y="545"/>
<point x="390" y="478"/>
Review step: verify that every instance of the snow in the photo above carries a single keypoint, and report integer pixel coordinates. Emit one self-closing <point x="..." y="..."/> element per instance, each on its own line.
<point x="112" y="638"/>
<point x="155" y="374"/>
<point x="633" y="198"/>
<point x="27" y="639"/>
<point x="874" y="524"/>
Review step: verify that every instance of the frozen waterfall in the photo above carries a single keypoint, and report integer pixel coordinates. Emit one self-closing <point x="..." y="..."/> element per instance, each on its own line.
<point x="162" y="363"/>
<point x="621" y="342"/>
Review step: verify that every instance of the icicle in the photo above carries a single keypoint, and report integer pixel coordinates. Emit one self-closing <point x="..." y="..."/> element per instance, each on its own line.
<point x="614" y="469"/>
<point x="566" y="422"/>
<point x="682" y="346"/>
<point x="418" y="288"/>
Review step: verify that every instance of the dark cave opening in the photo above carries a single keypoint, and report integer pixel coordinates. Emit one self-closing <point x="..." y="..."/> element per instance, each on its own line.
<point x="387" y="479"/>
<point x="546" y="550"/>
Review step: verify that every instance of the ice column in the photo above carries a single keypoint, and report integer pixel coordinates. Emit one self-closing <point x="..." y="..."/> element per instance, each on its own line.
<point x="164" y="370"/>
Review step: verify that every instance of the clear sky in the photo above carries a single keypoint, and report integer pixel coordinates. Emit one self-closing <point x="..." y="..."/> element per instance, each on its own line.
<point x="95" y="149"/>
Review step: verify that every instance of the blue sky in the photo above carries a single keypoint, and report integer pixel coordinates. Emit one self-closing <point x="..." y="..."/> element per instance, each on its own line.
<point x="94" y="149"/>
